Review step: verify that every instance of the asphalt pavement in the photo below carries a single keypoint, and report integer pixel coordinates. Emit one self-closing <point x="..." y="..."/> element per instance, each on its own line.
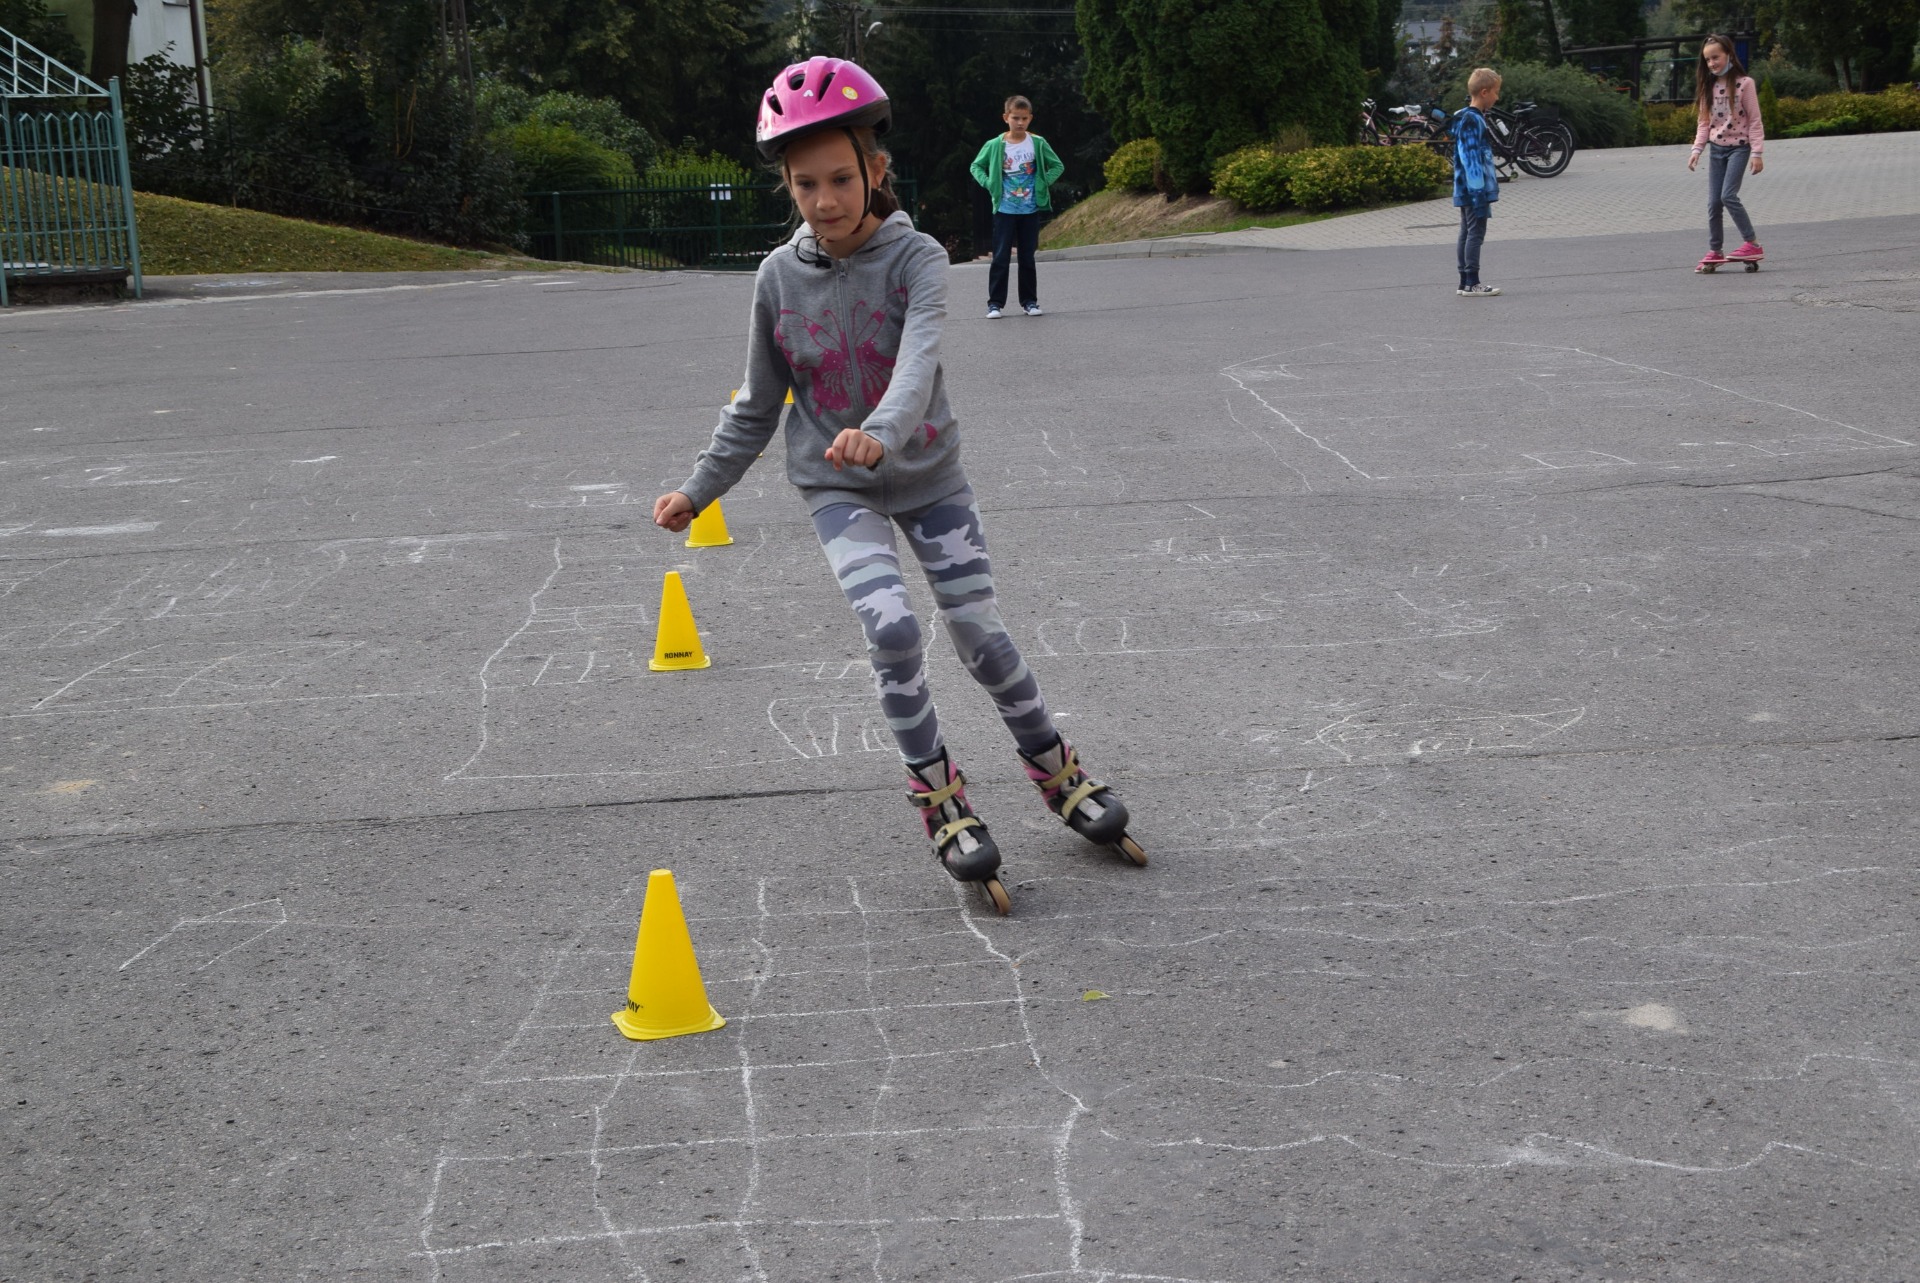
<point x="1516" y="697"/>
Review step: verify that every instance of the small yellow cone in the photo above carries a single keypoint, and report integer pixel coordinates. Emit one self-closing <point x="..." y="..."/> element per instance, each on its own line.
<point x="677" y="643"/>
<point x="709" y="529"/>
<point x="736" y="396"/>
<point x="665" y="997"/>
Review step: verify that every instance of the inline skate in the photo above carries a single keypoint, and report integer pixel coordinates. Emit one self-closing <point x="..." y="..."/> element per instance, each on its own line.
<point x="1089" y="808"/>
<point x="960" y="839"/>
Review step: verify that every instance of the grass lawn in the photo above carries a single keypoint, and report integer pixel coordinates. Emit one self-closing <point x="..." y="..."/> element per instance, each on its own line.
<point x="183" y="238"/>
<point x="1107" y="217"/>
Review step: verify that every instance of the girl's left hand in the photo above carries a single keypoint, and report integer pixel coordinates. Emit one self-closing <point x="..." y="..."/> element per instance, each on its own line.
<point x="1759" y="163"/>
<point x="855" y="448"/>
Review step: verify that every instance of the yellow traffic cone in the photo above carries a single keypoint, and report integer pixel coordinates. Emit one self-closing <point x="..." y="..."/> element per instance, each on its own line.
<point x="676" y="644"/>
<point x="709" y="529"/>
<point x="664" y="996"/>
<point x="736" y="396"/>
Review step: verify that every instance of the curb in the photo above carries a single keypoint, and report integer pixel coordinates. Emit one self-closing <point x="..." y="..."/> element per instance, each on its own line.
<point x="1158" y="247"/>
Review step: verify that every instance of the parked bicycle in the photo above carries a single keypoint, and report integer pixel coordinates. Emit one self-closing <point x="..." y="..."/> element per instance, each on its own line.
<point x="1529" y="137"/>
<point x="1535" y="138"/>
<point x="1406" y="128"/>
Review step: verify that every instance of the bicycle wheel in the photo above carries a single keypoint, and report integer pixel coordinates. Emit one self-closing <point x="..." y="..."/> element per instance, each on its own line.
<point x="1412" y="131"/>
<point x="1544" y="150"/>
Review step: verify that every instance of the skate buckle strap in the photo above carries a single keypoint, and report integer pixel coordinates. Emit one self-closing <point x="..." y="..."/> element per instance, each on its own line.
<point x="1068" y="769"/>
<point x="937" y="797"/>
<point x="950" y="831"/>
<point x="1086" y="789"/>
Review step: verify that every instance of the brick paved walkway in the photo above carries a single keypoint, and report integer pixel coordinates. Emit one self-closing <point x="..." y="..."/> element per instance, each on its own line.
<point x="1642" y="189"/>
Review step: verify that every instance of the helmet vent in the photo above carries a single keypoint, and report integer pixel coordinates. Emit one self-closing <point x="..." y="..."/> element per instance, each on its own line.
<point x="824" y="82"/>
<point x="797" y="78"/>
<point x="773" y="101"/>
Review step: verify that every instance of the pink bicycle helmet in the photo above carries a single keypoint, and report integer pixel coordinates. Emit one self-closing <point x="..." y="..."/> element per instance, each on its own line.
<point x="820" y="93"/>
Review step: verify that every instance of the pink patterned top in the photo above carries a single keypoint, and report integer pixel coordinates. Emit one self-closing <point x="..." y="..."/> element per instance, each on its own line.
<point x="1732" y="125"/>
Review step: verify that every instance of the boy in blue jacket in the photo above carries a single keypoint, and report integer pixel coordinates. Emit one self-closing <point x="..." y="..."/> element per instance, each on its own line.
<point x="1016" y="168"/>
<point x="1476" y="184"/>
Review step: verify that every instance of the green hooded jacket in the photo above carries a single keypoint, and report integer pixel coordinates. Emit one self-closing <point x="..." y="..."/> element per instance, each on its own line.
<point x="1047" y="167"/>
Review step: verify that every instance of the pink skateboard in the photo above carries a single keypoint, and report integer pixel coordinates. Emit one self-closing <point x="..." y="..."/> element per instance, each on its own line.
<point x="1750" y="261"/>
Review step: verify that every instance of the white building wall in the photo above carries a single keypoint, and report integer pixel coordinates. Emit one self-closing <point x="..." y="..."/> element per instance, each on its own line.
<point x="168" y="26"/>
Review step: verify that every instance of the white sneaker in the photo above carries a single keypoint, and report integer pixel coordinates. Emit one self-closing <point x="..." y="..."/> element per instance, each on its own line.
<point x="1033" y="309"/>
<point x="993" y="313"/>
<point x="1480" y="291"/>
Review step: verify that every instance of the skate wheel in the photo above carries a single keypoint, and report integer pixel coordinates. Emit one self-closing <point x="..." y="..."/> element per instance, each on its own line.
<point x="1131" y="849"/>
<point x="1002" y="903"/>
<point x="1753" y="267"/>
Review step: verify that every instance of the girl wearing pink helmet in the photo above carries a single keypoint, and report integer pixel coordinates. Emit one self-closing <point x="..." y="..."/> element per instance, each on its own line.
<point x="849" y="322"/>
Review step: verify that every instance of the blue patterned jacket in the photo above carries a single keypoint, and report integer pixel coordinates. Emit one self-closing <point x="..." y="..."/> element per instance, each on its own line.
<point x="1475" y="181"/>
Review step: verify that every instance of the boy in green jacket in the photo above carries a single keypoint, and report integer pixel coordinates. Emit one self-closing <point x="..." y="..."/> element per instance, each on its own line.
<point x="1016" y="168"/>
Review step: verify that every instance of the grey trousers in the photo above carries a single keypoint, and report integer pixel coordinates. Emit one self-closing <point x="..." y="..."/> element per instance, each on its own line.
<point x="1726" y="166"/>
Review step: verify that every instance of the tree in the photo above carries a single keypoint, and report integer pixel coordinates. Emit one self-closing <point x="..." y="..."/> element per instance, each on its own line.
<point x="45" y="31"/>
<point x="1207" y="77"/>
<point x="949" y="77"/>
<point x="1519" y="33"/>
<point x="1866" y="44"/>
<point x="686" y="69"/>
<point x="1603" y="22"/>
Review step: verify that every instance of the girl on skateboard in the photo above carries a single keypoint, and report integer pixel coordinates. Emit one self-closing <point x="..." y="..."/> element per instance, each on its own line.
<point x="1731" y="132"/>
<point x="847" y="314"/>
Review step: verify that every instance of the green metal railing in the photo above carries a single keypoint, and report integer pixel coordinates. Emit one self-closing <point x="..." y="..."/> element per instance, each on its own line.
<point x="66" y="196"/>
<point x="715" y="226"/>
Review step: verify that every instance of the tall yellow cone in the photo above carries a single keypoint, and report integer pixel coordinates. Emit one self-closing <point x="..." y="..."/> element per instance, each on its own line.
<point x="709" y="529"/>
<point x="677" y="643"/>
<point x="664" y="996"/>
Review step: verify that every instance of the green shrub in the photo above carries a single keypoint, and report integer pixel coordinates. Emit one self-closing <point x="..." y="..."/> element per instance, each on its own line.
<point x="1131" y="168"/>
<point x="1338" y="177"/>
<point x="1770" y="107"/>
<point x="1671" y="122"/>
<point x="1255" y="178"/>
<point x="1263" y="179"/>
<point x="1831" y="125"/>
<point x="556" y="158"/>
<point x="1409" y="173"/>
<point x="1836" y="113"/>
<point x="1886" y="112"/>
<point x="1600" y="115"/>
<point x="1790" y="81"/>
<point x="685" y="167"/>
<point x="598" y="120"/>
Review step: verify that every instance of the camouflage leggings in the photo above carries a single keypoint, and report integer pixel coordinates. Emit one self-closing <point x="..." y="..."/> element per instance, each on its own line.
<point x="952" y="550"/>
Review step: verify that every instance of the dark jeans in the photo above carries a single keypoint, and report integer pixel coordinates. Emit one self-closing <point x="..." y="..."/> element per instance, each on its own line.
<point x="1726" y="166"/>
<point x="1010" y="230"/>
<point x="1473" y="230"/>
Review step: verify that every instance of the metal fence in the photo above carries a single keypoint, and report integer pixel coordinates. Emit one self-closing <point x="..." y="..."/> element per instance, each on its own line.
<point x="1655" y="68"/>
<point x="66" y="197"/>
<point x="713" y="226"/>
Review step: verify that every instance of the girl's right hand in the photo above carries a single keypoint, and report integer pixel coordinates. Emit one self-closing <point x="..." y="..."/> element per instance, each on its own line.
<point x="673" y="511"/>
<point x="1693" y="162"/>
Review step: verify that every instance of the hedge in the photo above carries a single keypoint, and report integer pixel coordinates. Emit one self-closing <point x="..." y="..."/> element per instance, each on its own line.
<point x="557" y="158"/>
<point x="1263" y="179"/>
<point x="1891" y="111"/>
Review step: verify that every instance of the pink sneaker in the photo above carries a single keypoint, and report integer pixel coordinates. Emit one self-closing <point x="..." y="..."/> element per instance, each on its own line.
<point x="1713" y="259"/>
<point x="1748" y="251"/>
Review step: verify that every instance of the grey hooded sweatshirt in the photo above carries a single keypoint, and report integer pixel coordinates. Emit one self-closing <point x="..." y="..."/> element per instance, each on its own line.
<point x="858" y="342"/>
